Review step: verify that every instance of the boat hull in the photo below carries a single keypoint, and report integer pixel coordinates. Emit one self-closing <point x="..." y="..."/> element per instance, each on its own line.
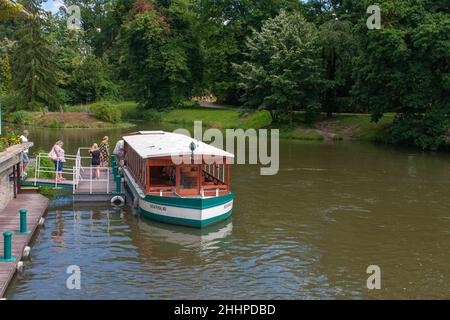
<point x="190" y="212"/>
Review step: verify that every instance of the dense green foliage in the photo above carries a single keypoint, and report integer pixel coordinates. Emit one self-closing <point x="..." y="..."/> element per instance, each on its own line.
<point x="107" y="112"/>
<point x="34" y="68"/>
<point x="159" y="53"/>
<point x="9" y="9"/>
<point x="282" y="67"/>
<point x="283" y="56"/>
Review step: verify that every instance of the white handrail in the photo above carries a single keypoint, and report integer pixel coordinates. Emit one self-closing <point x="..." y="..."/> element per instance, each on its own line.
<point x="76" y="171"/>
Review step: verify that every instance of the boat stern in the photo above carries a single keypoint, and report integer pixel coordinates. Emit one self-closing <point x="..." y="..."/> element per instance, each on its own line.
<point x="191" y="212"/>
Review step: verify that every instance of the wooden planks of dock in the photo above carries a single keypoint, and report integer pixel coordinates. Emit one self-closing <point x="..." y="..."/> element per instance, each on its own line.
<point x="36" y="205"/>
<point x="105" y="184"/>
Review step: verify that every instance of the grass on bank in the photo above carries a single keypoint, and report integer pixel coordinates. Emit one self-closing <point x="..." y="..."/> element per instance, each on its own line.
<point x="339" y="127"/>
<point x="101" y="115"/>
<point x="218" y="118"/>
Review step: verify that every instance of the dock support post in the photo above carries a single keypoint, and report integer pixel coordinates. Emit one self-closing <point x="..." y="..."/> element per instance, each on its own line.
<point x="114" y="165"/>
<point x="23" y="222"/>
<point x="7" y="248"/>
<point x="118" y="184"/>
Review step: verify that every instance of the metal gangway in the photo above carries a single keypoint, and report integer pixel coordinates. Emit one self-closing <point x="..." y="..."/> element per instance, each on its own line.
<point x="78" y="173"/>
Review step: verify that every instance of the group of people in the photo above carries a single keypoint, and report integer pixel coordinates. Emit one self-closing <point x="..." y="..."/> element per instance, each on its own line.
<point x="100" y="157"/>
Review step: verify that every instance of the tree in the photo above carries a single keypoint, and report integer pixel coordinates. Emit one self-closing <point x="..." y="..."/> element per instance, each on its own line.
<point x="158" y="54"/>
<point x="9" y="9"/>
<point x="224" y="26"/>
<point x="404" y="68"/>
<point x="35" y="72"/>
<point x="89" y="81"/>
<point x="100" y="22"/>
<point x="283" y="67"/>
<point x="6" y="75"/>
<point x="337" y="43"/>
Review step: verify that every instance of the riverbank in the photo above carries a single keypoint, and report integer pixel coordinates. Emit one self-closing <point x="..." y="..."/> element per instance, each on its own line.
<point x="72" y="120"/>
<point x="339" y="127"/>
<point x="62" y="120"/>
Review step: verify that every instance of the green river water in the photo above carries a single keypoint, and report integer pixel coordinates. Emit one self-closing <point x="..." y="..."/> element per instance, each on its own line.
<point x="309" y="232"/>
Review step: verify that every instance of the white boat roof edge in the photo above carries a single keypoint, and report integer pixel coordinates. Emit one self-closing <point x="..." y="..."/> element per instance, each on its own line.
<point x="157" y="144"/>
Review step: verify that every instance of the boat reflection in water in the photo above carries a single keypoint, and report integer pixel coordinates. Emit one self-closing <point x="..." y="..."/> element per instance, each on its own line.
<point x="200" y="239"/>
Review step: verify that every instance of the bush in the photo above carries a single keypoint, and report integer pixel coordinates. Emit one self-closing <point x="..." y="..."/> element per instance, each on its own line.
<point x="11" y="102"/>
<point x="54" y="124"/>
<point x="9" y="138"/>
<point x="44" y="163"/>
<point x="312" y="112"/>
<point x="187" y="104"/>
<point x="107" y="112"/>
<point x="48" y="192"/>
<point x="427" y="131"/>
<point x="20" y="118"/>
<point x="152" y="115"/>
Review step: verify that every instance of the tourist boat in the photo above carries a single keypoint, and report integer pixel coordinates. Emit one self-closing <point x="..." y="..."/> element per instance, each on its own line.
<point x="194" y="192"/>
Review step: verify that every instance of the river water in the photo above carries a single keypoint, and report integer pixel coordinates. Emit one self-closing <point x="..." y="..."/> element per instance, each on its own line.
<point x="309" y="232"/>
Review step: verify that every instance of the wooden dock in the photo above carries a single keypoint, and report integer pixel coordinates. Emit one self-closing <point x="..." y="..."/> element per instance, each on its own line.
<point x="101" y="190"/>
<point x="36" y="205"/>
<point x="87" y="188"/>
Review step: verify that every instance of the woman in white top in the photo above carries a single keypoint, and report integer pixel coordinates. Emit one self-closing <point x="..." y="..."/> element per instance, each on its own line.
<point x="57" y="156"/>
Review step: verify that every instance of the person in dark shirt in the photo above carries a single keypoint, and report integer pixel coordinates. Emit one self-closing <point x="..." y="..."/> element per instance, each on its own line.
<point x="96" y="160"/>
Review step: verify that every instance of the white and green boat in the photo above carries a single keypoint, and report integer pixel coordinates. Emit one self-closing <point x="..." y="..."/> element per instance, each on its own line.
<point x="194" y="190"/>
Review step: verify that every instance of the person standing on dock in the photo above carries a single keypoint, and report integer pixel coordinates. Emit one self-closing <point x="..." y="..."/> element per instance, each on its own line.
<point x="96" y="160"/>
<point x="119" y="151"/>
<point x="58" y="157"/>
<point x="25" y="159"/>
<point x="104" y="149"/>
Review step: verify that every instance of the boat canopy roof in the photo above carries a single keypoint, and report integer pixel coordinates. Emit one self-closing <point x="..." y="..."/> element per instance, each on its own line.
<point x="158" y="144"/>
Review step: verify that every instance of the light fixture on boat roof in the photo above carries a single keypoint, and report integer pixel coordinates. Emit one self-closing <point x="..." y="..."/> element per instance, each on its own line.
<point x="193" y="146"/>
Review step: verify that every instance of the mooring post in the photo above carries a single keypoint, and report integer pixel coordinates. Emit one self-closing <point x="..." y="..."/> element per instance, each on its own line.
<point x="23" y="222"/>
<point x="118" y="183"/>
<point x="7" y="248"/>
<point x="114" y="165"/>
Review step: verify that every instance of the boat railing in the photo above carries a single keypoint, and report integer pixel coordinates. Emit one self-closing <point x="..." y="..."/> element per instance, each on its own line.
<point x="76" y="169"/>
<point x="216" y="172"/>
<point x="83" y="172"/>
<point x="45" y="169"/>
<point x="216" y="189"/>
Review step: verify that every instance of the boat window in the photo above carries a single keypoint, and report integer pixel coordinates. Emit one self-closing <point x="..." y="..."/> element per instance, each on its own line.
<point x="189" y="177"/>
<point x="163" y="176"/>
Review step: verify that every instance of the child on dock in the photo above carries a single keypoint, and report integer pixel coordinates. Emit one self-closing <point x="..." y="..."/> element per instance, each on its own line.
<point x="96" y="160"/>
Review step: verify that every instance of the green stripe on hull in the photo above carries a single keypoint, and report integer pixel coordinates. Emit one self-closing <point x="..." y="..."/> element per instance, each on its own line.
<point x="185" y="222"/>
<point x="190" y="203"/>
